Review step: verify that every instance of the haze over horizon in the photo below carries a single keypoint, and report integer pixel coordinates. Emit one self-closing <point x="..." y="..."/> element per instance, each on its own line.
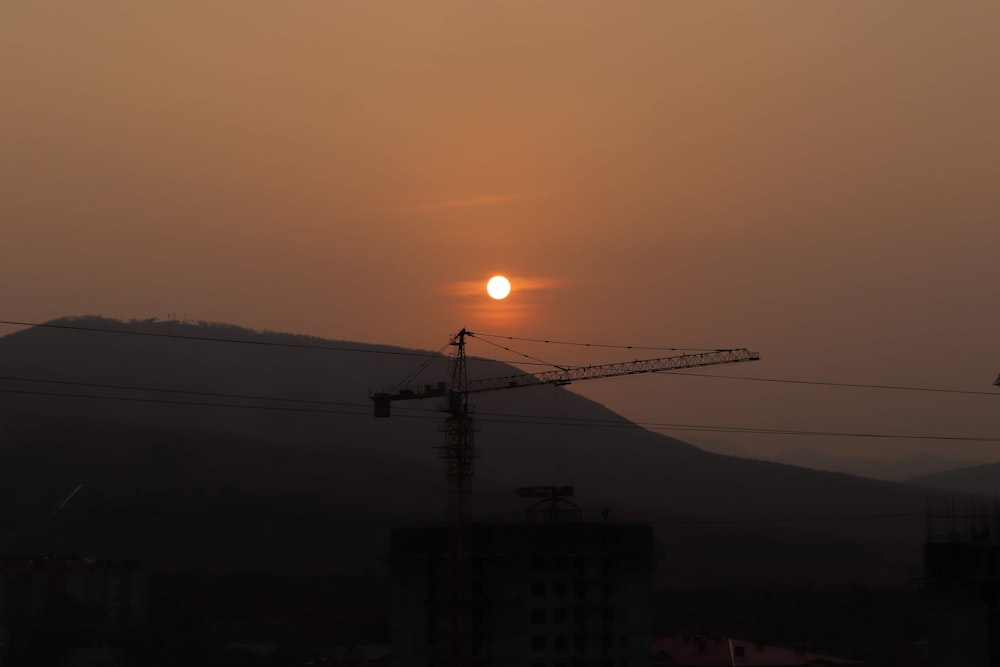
<point x="816" y="182"/>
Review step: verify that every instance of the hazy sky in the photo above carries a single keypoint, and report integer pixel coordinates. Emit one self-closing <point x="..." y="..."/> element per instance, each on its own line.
<point x="817" y="181"/>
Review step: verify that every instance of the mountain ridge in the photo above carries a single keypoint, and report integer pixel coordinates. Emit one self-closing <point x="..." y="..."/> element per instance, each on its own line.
<point x="896" y="470"/>
<point x="981" y="479"/>
<point x="533" y="436"/>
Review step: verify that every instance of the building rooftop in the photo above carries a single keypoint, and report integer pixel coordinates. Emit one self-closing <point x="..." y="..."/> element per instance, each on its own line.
<point x="519" y="538"/>
<point x="671" y="651"/>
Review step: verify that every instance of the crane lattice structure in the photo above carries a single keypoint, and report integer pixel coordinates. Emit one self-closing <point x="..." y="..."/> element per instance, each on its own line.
<point x="459" y="453"/>
<point x="458" y="450"/>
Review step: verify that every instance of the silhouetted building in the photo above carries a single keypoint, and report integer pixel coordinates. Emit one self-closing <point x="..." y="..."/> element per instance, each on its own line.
<point x="673" y="651"/>
<point x="559" y="594"/>
<point x="110" y="596"/>
<point x="962" y="588"/>
<point x="298" y="654"/>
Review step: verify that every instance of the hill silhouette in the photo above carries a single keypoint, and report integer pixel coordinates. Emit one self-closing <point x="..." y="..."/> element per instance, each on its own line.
<point x="314" y="481"/>
<point x="898" y="470"/>
<point x="974" y="480"/>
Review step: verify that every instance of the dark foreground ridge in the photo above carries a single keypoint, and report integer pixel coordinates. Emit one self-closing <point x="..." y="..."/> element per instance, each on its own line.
<point x="184" y="479"/>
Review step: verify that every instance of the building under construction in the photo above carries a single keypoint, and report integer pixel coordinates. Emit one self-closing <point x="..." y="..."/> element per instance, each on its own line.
<point x="554" y="593"/>
<point x="962" y="587"/>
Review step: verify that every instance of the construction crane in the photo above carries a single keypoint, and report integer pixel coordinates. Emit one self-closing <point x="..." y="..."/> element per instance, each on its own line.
<point x="458" y="451"/>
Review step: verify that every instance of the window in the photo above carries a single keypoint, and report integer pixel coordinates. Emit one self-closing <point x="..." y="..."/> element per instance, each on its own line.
<point x="38" y="595"/>
<point x="537" y="616"/>
<point x="559" y="588"/>
<point x="538" y="562"/>
<point x="136" y="591"/>
<point x="561" y="615"/>
<point x="538" y="643"/>
<point x="538" y="589"/>
<point x="114" y="597"/>
<point x="74" y="586"/>
<point x="560" y="643"/>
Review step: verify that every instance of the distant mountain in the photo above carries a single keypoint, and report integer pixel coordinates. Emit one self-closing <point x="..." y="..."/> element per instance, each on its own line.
<point x="721" y="446"/>
<point x="898" y="470"/>
<point x="981" y="479"/>
<point x="246" y="424"/>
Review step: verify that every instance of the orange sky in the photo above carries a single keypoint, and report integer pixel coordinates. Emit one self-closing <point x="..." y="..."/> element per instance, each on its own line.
<point x="816" y="181"/>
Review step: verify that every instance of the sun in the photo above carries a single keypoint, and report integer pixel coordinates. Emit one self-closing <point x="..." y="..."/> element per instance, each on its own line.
<point x="498" y="287"/>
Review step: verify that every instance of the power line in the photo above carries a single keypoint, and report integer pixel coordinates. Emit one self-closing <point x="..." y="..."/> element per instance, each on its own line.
<point x="180" y="514"/>
<point x="185" y="392"/>
<point x="164" y="401"/>
<point x="436" y="355"/>
<point x="240" y="516"/>
<point x="830" y="434"/>
<point x="792" y="519"/>
<point x="506" y="418"/>
<point x="665" y="427"/>
<point x="600" y="345"/>
<point x="237" y="341"/>
<point x="849" y="385"/>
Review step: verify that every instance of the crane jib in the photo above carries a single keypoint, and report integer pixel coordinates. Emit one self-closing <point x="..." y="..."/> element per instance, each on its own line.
<point x="659" y="365"/>
<point x="561" y="377"/>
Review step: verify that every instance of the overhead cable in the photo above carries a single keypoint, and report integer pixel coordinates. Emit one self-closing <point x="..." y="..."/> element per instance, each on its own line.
<point x="180" y="514"/>
<point x="523" y="419"/>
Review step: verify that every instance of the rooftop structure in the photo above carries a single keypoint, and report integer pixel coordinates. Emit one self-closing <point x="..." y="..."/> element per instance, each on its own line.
<point x="112" y="594"/>
<point x="673" y="651"/>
